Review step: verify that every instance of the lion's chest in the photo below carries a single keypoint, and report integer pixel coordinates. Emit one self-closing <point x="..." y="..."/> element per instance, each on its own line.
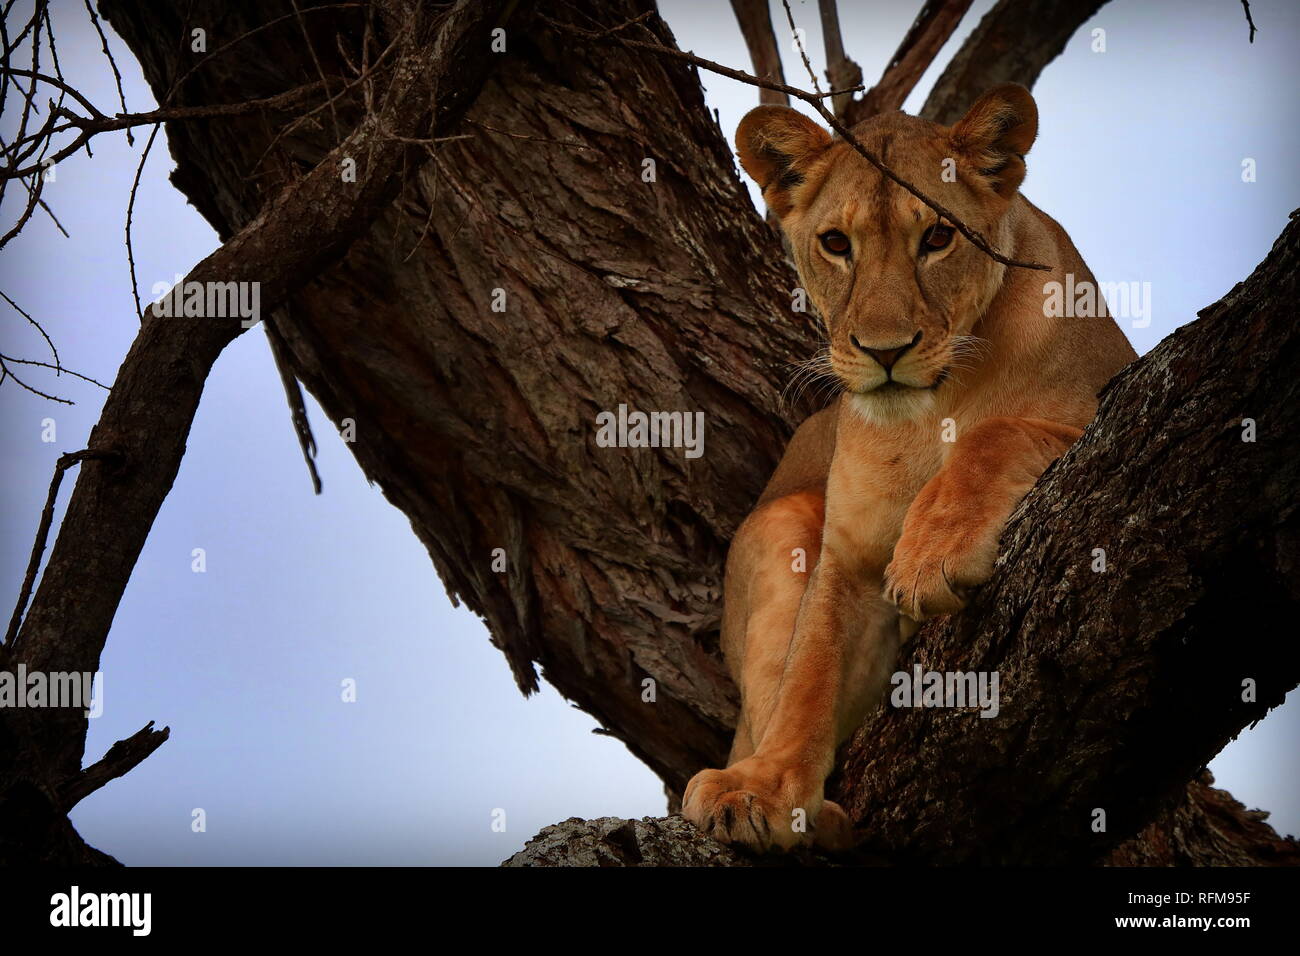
<point x="873" y="480"/>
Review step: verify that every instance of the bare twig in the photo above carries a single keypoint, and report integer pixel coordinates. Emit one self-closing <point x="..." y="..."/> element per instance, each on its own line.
<point x="7" y="372"/>
<point x="65" y="462"/>
<point x="298" y="121"/>
<point x="798" y="42"/>
<point x="756" y="27"/>
<point x="108" y="55"/>
<point x="293" y="394"/>
<point x="123" y="757"/>
<point x="525" y="136"/>
<point x="1245" y="5"/>
<point x="58" y="369"/>
<point x="130" y="210"/>
<point x="33" y="199"/>
<point x="840" y="70"/>
<point x="39" y="328"/>
<point x="320" y="71"/>
<point x="176" y="85"/>
<point x="97" y="122"/>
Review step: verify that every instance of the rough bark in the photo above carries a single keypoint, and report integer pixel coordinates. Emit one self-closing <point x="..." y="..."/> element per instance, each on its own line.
<point x="611" y="841"/>
<point x="653" y="841"/>
<point x="1207" y="827"/>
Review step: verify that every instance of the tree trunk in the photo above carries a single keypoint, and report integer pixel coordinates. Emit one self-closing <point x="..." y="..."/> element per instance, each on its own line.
<point x="597" y="207"/>
<point x="668" y="295"/>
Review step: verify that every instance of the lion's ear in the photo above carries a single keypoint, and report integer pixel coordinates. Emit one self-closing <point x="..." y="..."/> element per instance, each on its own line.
<point x="775" y="143"/>
<point x="995" y="134"/>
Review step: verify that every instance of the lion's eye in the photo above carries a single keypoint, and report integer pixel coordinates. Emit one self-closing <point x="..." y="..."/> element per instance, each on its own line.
<point x="936" y="237"/>
<point x="836" y="243"/>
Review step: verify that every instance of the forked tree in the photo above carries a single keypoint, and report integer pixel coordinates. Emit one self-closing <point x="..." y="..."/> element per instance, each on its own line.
<point x="461" y="258"/>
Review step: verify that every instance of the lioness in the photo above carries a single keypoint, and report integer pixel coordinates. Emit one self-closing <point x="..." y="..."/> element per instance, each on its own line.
<point x="958" y="393"/>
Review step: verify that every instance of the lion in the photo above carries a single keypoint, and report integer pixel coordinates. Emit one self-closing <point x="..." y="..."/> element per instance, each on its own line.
<point x="958" y="391"/>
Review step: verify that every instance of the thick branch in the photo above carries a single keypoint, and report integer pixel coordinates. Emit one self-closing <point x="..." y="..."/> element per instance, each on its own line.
<point x="1012" y="44"/>
<point x="841" y="71"/>
<point x="926" y="37"/>
<point x="650" y="841"/>
<point x="756" y="27"/>
<point x="1207" y="827"/>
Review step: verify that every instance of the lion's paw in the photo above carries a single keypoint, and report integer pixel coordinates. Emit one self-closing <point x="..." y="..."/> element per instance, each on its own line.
<point x="747" y="804"/>
<point x="931" y="574"/>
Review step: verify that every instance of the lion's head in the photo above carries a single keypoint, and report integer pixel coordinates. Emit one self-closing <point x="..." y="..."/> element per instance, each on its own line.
<point x="899" y="290"/>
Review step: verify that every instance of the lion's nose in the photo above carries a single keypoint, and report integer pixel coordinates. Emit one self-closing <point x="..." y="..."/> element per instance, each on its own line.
<point x="888" y="356"/>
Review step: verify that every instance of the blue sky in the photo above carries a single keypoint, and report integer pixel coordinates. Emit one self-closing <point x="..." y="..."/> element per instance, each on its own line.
<point x="1139" y="157"/>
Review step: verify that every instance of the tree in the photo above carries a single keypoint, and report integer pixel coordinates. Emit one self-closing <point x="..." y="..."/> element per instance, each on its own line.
<point x="523" y="203"/>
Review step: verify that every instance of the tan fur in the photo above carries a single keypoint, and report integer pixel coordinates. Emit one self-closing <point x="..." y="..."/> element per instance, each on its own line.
<point x="896" y="523"/>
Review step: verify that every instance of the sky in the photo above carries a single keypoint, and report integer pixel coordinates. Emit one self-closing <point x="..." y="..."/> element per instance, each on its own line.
<point x="440" y="760"/>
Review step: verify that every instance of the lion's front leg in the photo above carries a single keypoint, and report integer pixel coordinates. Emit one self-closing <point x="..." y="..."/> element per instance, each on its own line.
<point x="950" y="536"/>
<point x="837" y="664"/>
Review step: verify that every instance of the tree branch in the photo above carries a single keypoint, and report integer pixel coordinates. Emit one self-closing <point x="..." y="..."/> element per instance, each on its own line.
<point x="1012" y="44"/>
<point x="123" y="757"/>
<point x="1207" y="827"/>
<point x="756" y="27"/>
<point x="1250" y="21"/>
<point x="841" y="71"/>
<point x="96" y="123"/>
<point x="926" y="37"/>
